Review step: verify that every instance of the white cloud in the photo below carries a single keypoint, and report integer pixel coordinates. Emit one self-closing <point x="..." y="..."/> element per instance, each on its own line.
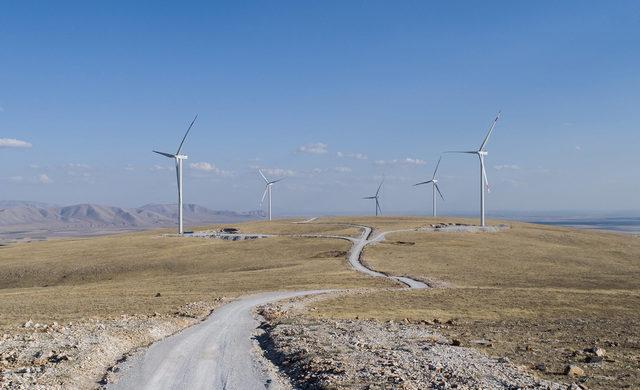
<point x="278" y="172"/>
<point x="203" y="166"/>
<point x="129" y="168"/>
<point x="357" y="156"/>
<point x="342" y="169"/>
<point x="578" y="148"/>
<point x="44" y="179"/>
<point x="209" y="168"/>
<point x="158" y="167"/>
<point x="316" y="148"/>
<point x="506" y="167"/>
<point x="78" y="166"/>
<point x="405" y="161"/>
<point x="13" y="143"/>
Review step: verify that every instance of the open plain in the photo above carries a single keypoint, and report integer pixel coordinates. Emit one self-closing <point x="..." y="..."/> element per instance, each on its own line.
<point x="528" y="298"/>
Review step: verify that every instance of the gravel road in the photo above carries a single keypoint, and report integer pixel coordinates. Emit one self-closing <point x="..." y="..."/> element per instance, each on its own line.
<point x="215" y="354"/>
<point x="219" y="352"/>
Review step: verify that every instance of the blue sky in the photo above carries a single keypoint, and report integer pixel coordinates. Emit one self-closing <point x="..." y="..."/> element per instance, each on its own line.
<point x="331" y="94"/>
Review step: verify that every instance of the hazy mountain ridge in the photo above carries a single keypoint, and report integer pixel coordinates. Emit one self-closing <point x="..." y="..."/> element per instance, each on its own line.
<point x="17" y="213"/>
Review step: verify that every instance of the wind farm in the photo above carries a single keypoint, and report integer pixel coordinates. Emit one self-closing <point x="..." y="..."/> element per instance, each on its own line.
<point x="291" y="121"/>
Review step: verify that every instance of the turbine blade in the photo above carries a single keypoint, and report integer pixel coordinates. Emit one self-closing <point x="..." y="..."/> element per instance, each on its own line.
<point x="186" y="134"/>
<point x="459" y="151"/>
<point x="380" y="186"/>
<point x="275" y="181"/>
<point x="486" y="181"/>
<point x="436" y="170"/>
<point x="424" y="182"/>
<point x="369" y="197"/>
<point x="484" y="143"/>
<point x="264" y="194"/>
<point x="178" y="174"/>
<point x="378" y="208"/>
<point x="165" y="154"/>
<point x="263" y="176"/>
<point x="438" y="189"/>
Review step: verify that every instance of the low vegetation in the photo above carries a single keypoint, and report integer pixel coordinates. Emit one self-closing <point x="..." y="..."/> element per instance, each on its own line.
<point x="540" y="296"/>
<point x="70" y="279"/>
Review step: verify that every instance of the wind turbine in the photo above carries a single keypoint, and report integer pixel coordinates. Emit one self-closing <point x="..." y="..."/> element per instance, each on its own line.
<point x="377" y="198"/>
<point x="267" y="188"/>
<point x="481" y="153"/>
<point x="179" y="158"/>
<point x="435" y="187"/>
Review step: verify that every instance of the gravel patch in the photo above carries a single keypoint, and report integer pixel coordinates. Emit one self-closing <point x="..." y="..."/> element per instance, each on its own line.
<point x="76" y="355"/>
<point x="364" y="354"/>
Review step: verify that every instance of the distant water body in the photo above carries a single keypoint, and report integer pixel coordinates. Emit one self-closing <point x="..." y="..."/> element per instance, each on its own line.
<point x="616" y="224"/>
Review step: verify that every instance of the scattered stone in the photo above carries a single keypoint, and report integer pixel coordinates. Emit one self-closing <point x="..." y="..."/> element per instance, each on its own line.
<point x="594" y="359"/>
<point x="597" y="351"/>
<point x="456" y="343"/>
<point x="574" y="371"/>
<point x="158" y="295"/>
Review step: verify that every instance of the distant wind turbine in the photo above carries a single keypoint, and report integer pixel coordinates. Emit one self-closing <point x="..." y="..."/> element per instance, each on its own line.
<point x="267" y="188"/>
<point x="481" y="153"/>
<point x="179" y="158"/>
<point x="377" y="198"/>
<point x="434" y="186"/>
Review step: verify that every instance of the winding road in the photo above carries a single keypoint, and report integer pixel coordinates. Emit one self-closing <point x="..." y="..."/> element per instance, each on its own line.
<point x="218" y="353"/>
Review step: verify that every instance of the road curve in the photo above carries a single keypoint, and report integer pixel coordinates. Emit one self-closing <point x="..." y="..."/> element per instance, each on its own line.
<point x="215" y="354"/>
<point x="218" y="352"/>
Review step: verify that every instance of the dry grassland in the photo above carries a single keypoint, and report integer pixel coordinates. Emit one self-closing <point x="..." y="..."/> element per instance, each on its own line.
<point x="539" y="295"/>
<point x="69" y="279"/>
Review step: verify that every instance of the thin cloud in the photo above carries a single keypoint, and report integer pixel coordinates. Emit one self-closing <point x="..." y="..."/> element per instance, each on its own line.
<point x="78" y="166"/>
<point x="512" y="167"/>
<point x="278" y="172"/>
<point x="405" y="161"/>
<point x="209" y="168"/>
<point x="342" y="169"/>
<point x="158" y="167"/>
<point x="44" y="179"/>
<point x="316" y="148"/>
<point x="14" y="143"/>
<point x="357" y="156"/>
<point x="578" y="148"/>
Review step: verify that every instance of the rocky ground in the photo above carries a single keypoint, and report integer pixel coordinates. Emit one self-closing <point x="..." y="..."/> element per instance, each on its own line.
<point x="77" y="354"/>
<point x="365" y="354"/>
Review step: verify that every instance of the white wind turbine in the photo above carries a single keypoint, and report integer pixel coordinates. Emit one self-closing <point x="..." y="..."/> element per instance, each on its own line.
<point x="179" y="158"/>
<point x="267" y="189"/>
<point x="377" y="198"/>
<point x="435" y="187"/>
<point x="481" y="153"/>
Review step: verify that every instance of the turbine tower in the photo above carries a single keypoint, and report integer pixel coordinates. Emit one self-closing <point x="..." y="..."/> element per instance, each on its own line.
<point x="482" y="153"/>
<point x="434" y="186"/>
<point x="267" y="188"/>
<point x="179" y="158"/>
<point x="377" y="198"/>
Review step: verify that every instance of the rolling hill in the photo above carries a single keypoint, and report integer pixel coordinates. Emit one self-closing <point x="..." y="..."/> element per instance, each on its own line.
<point x="39" y="215"/>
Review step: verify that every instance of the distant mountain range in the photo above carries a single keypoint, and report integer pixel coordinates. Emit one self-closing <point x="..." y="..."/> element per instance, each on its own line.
<point x="34" y="214"/>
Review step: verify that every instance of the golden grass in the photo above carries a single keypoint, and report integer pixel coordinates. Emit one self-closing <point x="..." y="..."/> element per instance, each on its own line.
<point x="555" y="291"/>
<point x="67" y="279"/>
